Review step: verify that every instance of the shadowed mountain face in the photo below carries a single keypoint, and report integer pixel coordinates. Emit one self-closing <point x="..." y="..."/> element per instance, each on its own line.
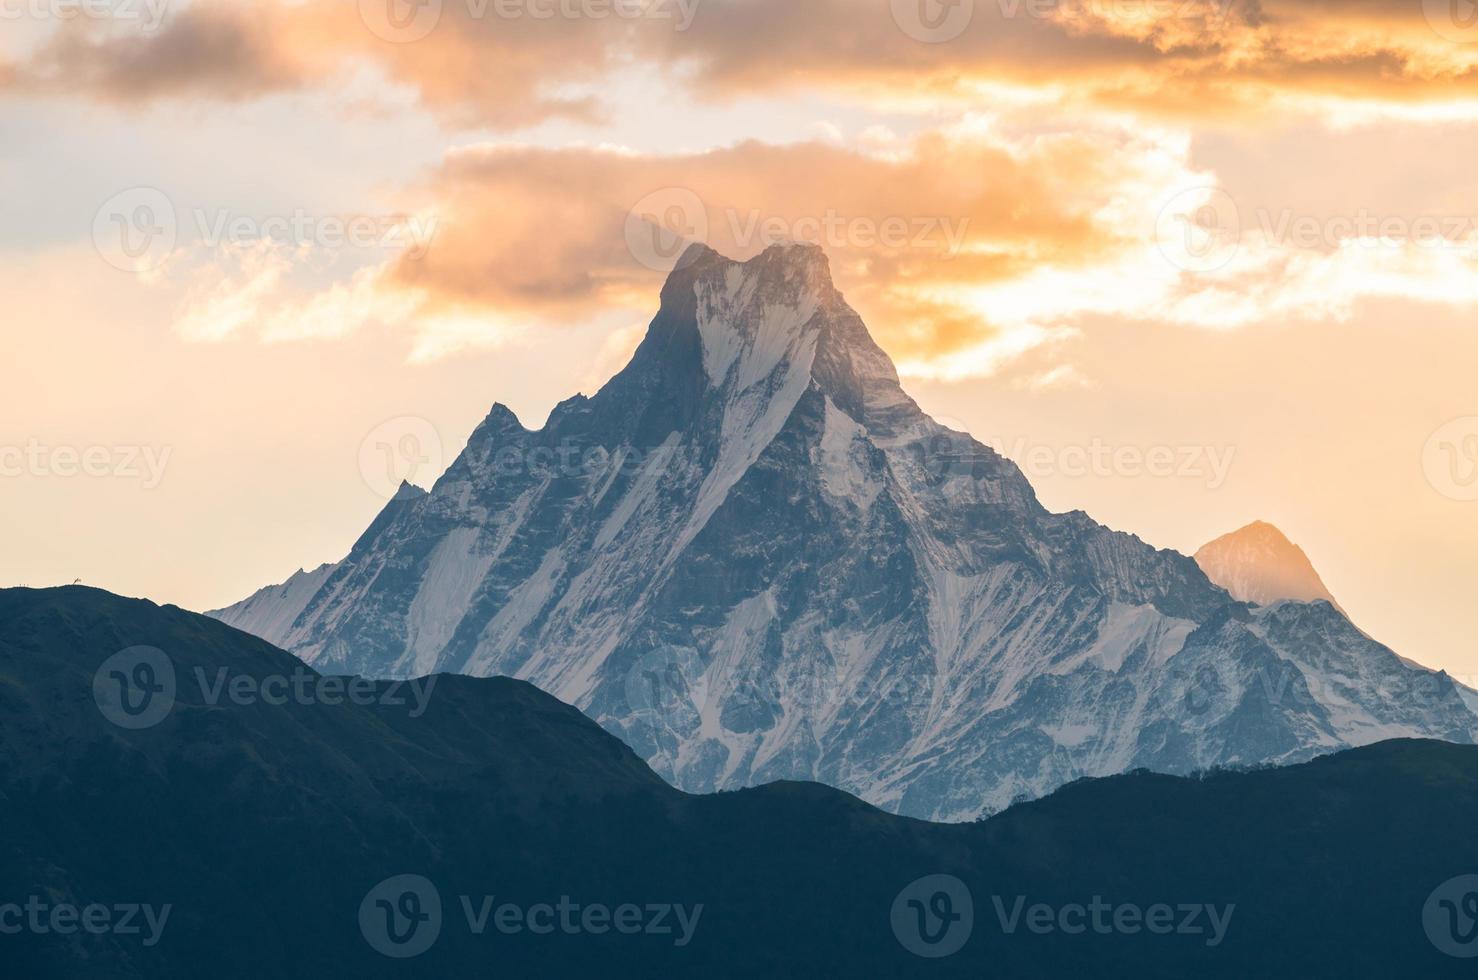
<point x="266" y="813"/>
<point x="752" y="557"/>
<point x="1258" y="564"/>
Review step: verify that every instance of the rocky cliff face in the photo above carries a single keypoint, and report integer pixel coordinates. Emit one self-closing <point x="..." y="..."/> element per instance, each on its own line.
<point x="753" y="557"/>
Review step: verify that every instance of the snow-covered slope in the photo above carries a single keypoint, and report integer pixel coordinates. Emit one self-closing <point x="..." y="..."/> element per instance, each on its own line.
<point x="753" y="557"/>
<point x="1259" y="564"/>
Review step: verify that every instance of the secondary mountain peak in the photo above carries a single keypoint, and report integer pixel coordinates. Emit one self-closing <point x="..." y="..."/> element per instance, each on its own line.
<point x="1259" y="564"/>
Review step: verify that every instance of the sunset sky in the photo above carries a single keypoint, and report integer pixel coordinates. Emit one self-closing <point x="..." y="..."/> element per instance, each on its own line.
<point x="247" y="244"/>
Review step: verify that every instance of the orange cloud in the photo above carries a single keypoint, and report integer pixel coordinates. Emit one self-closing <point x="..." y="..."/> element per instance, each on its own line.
<point x="509" y="63"/>
<point x="911" y="234"/>
<point x="965" y="250"/>
<point x="474" y="67"/>
<point x="951" y="211"/>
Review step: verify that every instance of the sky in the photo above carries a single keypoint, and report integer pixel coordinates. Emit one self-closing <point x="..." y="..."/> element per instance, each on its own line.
<point x="1191" y="264"/>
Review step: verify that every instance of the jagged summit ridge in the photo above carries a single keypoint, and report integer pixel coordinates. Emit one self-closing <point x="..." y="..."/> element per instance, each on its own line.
<point x="753" y="557"/>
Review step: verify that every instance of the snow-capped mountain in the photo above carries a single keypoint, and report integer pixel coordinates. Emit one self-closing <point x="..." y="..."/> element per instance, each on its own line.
<point x="1258" y="564"/>
<point x="753" y="557"/>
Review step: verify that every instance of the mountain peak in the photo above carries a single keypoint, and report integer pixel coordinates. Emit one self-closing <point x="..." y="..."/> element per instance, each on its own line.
<point x="754" y="511"/>
<point x="802" y="255"/>
<point x="409" y="491"/>
<point x="800" y="266"/>
<point x="734" y="323"/>
<point x="1259" y="564"/>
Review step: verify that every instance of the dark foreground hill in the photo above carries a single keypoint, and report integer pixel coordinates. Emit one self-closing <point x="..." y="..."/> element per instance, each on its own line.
<point x="278" y="815"/>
